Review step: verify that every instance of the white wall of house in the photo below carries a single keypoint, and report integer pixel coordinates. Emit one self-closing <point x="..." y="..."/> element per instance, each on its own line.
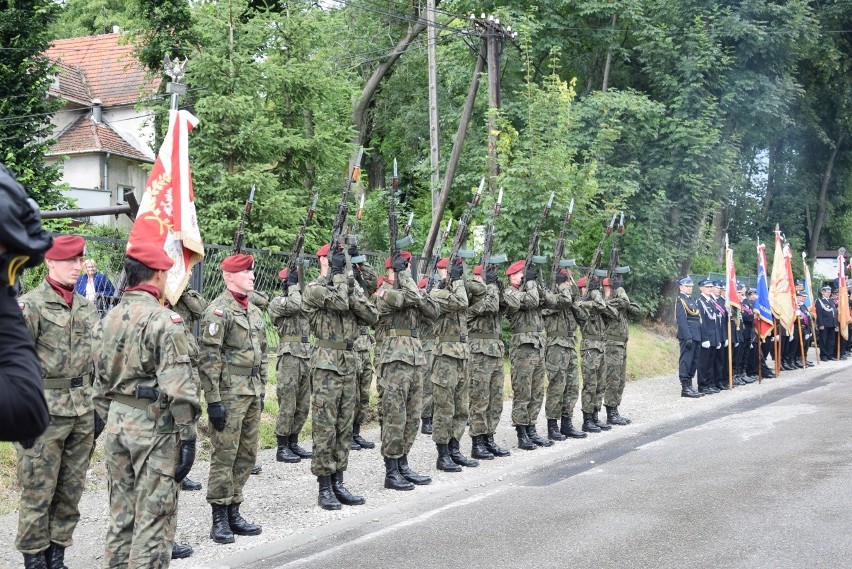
<point x="137" y="127"/>
<point x="64" y="117"/>
<point x="825" y="269"/>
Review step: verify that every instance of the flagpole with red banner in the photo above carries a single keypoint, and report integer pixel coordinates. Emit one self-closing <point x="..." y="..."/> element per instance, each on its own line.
<point x="731" y="300"/>
<point x="809" y="303"/>
<point x="842" y="301"/>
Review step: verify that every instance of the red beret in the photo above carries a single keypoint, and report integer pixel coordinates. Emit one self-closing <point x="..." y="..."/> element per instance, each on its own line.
<point x="606" y="281"/>
<point x="516" y="267"/>
<point x="405" y="254"/>
<point x="563" y="272"/>
<point x="422" y="282"/>
<point x="323" y="251"/>
<point x="282" y="274"/>
<point x="66" y="247"/>
<point x="442" y="264"/>
<point x="151" y="255"/>
<point x="477" y="270"/>
<point x="237" y="263"/>
<point x="582" y="282"/>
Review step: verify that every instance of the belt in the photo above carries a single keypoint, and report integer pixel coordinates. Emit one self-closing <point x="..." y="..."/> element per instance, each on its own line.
<point x="299" y="339"/>
<point x="560" y="335"/>
<point x="483" y="336"/>
<point x="66" y="382"/>
<point x="332" y="345"/>
<point x="461" y="339"/>
<point x="131" y="401"/>
<point x="406" y="332"/>
<point x="364" y="331"/>
<point x="249" y="371"/>
<point x="424" y="337"/>
<point x="527" y="330"/>
<point x="593" y="338"/>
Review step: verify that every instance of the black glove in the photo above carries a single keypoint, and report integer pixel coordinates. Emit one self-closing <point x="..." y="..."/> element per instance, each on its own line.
<point x="399" y="263"/>
<point x="561" y="277"/>
<point x="217" y="414"/>
<point x="442" y="284"/>
<point x="293" y="278"/>
<point x="338" y="261"/>
<point x="491" y="274"/>
<point x="530" y="274"/>
<point x="353" y="250"/>
<point x="617" y="282"/>
<point x="456" y="270"/>
<point x="28" y="443"/>
<point x="594" y="284"/>
<point x="99" y="425"/>
<point x="186" y="457"/>
<point x="689" y="344"/>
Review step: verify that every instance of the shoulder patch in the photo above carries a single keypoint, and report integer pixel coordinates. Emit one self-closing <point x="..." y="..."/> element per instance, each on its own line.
<point x="219" y="312"/>
<point x="213" y="329"/>
<point x="20" y="305"/>
<point x="382" y="293"/>
<point x="176" y="318"/>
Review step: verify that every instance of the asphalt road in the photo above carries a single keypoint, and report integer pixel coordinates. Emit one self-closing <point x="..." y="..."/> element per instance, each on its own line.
<point x="764" y="482"/>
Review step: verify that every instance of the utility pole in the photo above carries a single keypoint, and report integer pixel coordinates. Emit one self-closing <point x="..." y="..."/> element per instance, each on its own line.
<point x="434" y="156"/>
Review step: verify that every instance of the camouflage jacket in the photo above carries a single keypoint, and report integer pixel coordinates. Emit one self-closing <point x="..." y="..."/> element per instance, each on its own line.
<point x="561" y="322"/>
<point x="522" y="309"/>
<point x="145" y="345"/>
<point x="426" y="332"/>
<point x="233" y="349"/>
<point x="451" y="322"/>
<point x="191" y="306"/>
<point x="592" y="322"/>
<point x="367" y="282"/>
<point x="483" y="319"/>
<point x="292" y="324"/>
<point x="65" y="339"/>
<point x="616" y="327"/>
<point x="400" y="313"/>
<point x="336" y="311"/>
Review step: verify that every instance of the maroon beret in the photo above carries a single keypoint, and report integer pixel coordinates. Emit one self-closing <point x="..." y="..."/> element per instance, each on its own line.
<point x="323" y="251"/>
<point x="282" y="274"/>
<point x="422" y="282"/>
<point x="66" y="247"/>
<point x="442" y="264"/>
<point x="477" y="270"/>
<point x="405" y="254"/>
<point x="151" y="255"/>
<point x="516" y="267"/>
<point x="582" y="282"/>
<point x="237" y="263"/>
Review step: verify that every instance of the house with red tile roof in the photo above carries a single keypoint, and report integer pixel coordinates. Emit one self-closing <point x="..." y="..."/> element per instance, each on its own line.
<point x="105" y="131"/>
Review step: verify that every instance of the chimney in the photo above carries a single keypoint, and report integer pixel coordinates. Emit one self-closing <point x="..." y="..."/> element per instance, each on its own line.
<point x="96" y="111"/>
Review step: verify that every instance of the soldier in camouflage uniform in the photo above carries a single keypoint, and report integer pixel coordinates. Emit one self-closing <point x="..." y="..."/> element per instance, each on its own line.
<point x="364" y="345"/>
<point x="617" y="331"/>
<point x="426" y="333"/>
<point x="233" y="374"/>
<point x="560" y="359"/>
<point x="522" y="307"/>
<point x="450" y="383"/>
<point x="292" y="369"/>
<point x="400" y="305"/>
<point x="592" y="352"/>
<point x="147" y="390"/>
<point x="485" y="365"/>
<point x="52" y="468"/>
<point x="336" y="309"/>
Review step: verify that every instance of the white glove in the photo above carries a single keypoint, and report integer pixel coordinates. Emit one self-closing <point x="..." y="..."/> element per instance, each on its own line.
<point x="718" y="346"/>
<point x="791" y="339"/>
<point x="737" y="345"/>
<point x="705" y="344"/>
<point x="807" y="336"/>
<point x="726" y="343"/>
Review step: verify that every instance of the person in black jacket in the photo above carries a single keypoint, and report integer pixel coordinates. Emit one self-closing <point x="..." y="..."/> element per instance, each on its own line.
<point x="826" y="319"/>
<point x="710" y="341"/>
<point x="689" y="335"/>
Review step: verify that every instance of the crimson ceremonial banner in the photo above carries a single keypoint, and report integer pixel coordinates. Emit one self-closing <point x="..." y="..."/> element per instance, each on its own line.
<point x="167" y="211"/>
<point x="842" y="298"/>
<point x="732" y="297"/>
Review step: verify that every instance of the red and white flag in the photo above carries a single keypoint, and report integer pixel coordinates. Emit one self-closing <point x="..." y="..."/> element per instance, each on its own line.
<point x="167" y="212"/>
<point x="732" y="297"/>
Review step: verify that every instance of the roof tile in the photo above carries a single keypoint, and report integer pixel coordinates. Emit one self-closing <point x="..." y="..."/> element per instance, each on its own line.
<point x="85" y="136"/>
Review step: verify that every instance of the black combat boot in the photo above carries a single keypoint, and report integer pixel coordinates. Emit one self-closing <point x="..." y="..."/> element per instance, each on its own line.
<point x="410" y="475"/>
<point x="221" y="532"/>
<point x="457" y="456"/>
<point x="444" y="462"/>
<point x="393" y="478"/>
<point x="257" y="469"/>
<point x="326" y="499"/>
<point x="238" y="524"/>
<point x="35" y="560"/>
<point x="553" y="432"/>
<point x="493" y="447"/>
<point x="687" y="391"/>
<point x="181" y="551"/>
<point x="426" y="425"/>
<point x="589" y="424"/>
<point x="54" y="556"/>
<point x="524" y="442"/>
<point x="478" y="448"/>
<point x="284" y="453"/>
<point x="343" y="494"/>
<point x="297" y="450"/>
<point x="356" y="437"/>
<point x="601" y="425"/>
<point x="189" y="485"/>
<point x="567" y="429"/>
<point x="536" y="438"/>
<point x="613" y="417"/>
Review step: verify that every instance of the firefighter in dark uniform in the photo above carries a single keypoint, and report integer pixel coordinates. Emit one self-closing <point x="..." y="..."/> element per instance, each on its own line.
<point x="709" y="339"/>
<point x="826" y="319"/>
<point x="688" y="319"/>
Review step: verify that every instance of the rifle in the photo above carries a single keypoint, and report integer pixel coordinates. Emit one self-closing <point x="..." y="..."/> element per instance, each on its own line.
<point x="594" y="267"/>
<point x="298" y="245"/>
<point x="487" y="258"/>
<point x="338" y="230"/>
<point x="531" y="257"/>
<point x="461" y="231"/>
<point x="614" y="269"/>
<point x="558" y="262"/>
<point x="432" y="268"/>
<point x="239" y="235"/>
<point x="393" y="226"/>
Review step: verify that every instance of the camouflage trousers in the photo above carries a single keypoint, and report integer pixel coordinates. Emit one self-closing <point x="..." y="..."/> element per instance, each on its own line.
<point x="593" y="373"/>
<point x="486" y="393"/>
<point x="401" y="395"/>
<point x="563" y="381"/>
<point x="143" y="493"/>
<point x="424" y="372"/>
<point x="364" y="373"/>
<point x="615" y="357"/>
<point x="234" y="449"/>
<point x="527" y="383"/>
<point x="293" y="388"/>
<point x="332" y="412"/>
<point x="451" y="398"/>
<point x="52" y="475"/>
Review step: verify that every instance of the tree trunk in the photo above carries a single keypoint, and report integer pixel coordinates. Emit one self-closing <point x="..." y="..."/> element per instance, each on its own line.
<point x="665" y="312"/>
<point x="823" y="195"/>
<point x="608" y="62"/>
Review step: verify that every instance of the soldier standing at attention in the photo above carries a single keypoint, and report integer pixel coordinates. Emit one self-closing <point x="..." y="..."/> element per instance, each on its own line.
<point x="710" y="340"/>
<point x="292" y="369"/>
<point x="233" y="374"/>
<point x="364" y="344"/>
<point x="426" y="333"/>
<point x="336" y="310"/>
<point x="617" y="332"/>
<point x="826" y="320"/>
<point x="688" y="317"/>
<point x="521" y="305"/>
<point x="592" y="353"/>
<point x="400" y="308"/>
<point x="52" y="468"/>
<point x="147" y="390"/>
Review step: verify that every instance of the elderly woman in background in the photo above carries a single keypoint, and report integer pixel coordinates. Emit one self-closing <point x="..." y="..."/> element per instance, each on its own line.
<point x="94" y="285"/>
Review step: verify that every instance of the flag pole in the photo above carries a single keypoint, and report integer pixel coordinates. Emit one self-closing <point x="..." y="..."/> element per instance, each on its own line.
<point x="776" y="346"/>
<point x="730" y="355"/>
<point x="802" y="344"/>
<point x="759" y="359"/>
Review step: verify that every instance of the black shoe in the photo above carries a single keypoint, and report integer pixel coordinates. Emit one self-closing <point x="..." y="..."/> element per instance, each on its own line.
<point x="326" y="499"/>
<point x="426" y="425"/>
<point x="410" y="475"/>
<point x="358" y="439"/>
<point x="750" y="379"/>
<point x="708" y="391"/>
<point x="238" y="524"/>
<point x="767" y="373"/>
<point x="712" y="389"/>
<point x="613" y="417"/>
<point x="297" y="450"/>
<point x="536" y="438"/>
<point x="354" y="446"/>
<point x="722" y="387"/>
<point x="810" y="363"/>
<point x="567" y="429"/>
<point x="787" y="366"/>
<point x="54" y="556"/>
<point x="494" y="448"/>
<point x="35" y="561"/>
<point x="687" y="391"/>
<point x="478" y="448"/>
<point x="553" y="432"/>
<point x="524" y="442"/>
<point x="181" y="551"/>
<point x="798" y="364"/>
<point x="394" y="480"/>
<point x="343" y="494"/>
<point x="601" y="425"/>
<point x="221" y="531"/>
<point x="457" y="456"/>
<point x="284" y="452"/>
<point x="257" y="469"/>
<point x="589" y="425"/>
<point x="189" y="485"/>
<point x="444" y="462"/>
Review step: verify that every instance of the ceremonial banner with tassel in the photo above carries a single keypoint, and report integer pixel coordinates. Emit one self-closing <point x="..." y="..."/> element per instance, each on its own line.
<point x="781" y="289"/>
<point x="762" y="306"/>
